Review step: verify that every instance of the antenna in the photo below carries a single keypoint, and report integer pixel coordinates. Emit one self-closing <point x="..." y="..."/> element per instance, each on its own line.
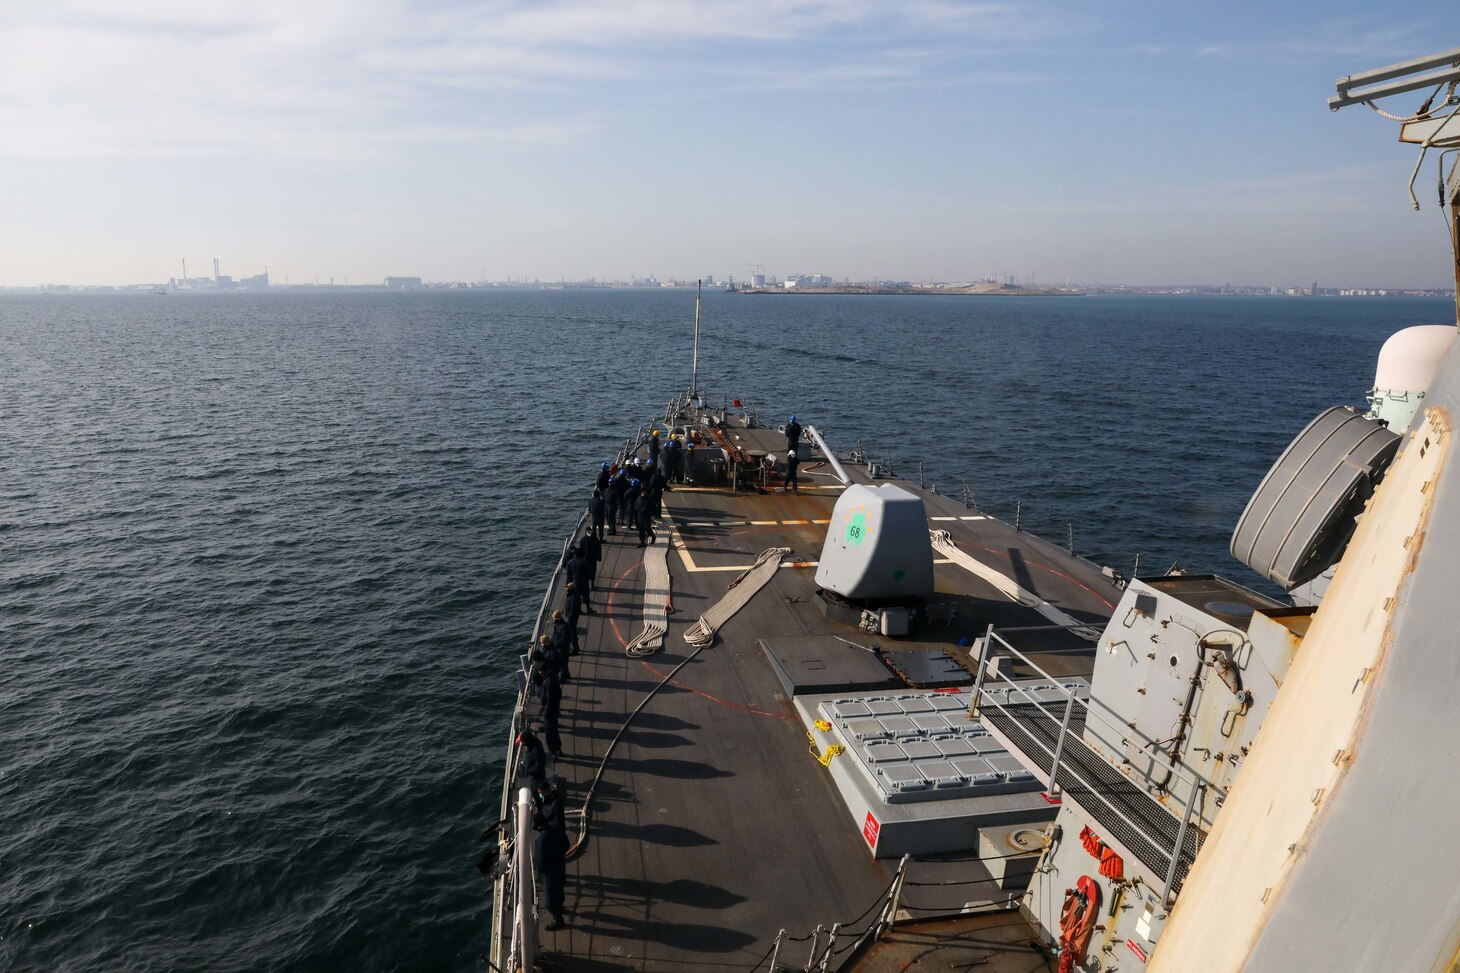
<point x="694" y="375"/>
<point x="1372" y="86"/>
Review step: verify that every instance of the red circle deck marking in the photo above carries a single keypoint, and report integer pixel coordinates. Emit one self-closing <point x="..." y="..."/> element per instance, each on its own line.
<point x="674" y="682"/>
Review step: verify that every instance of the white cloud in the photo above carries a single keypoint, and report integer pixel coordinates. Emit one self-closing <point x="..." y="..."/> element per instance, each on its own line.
<point x="279" y="77"/>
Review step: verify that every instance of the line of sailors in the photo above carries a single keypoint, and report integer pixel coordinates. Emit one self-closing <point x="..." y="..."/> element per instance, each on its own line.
<point x="630" y="495"/>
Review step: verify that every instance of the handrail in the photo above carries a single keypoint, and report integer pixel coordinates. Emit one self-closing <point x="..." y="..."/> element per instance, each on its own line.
<point x="1198" y="785"/>
<point x="524" y="926"/>
<point x="519" y="720"/>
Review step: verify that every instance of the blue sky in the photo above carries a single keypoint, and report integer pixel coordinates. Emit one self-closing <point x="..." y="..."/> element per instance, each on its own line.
<point x="929" y="140"/>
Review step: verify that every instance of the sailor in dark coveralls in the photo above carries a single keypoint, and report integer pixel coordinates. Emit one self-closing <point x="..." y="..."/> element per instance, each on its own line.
<point x="655" y="445"/>
<point x="551" y="851"/>
<point x="672" y="458"/>
<point x="793" y="434"/>
<point x="580" y="572"/>
<point x="605" y="473"/>
<point x="657" y="485"/>
<point x="793" y="460"/>
<point x="593" y="554"/>
<point x="551" y="693"/>
<point x="532" y="763"/>
<point x="565" y="634"/>
<point x="597" y="512"/>
<point x="645" y="513"/>
<point x="631" y="502"/>
<point x="615" y="498"/>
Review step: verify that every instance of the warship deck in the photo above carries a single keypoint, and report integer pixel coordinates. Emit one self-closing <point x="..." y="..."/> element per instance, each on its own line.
<point x="712" y="828"/>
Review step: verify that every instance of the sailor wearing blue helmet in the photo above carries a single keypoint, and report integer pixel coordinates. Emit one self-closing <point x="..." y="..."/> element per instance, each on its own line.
<point x="793" y="435"/>
<point x="631" y="502"/>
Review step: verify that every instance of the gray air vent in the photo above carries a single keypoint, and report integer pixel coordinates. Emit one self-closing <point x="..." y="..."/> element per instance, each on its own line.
<point x="1301" y="517"/>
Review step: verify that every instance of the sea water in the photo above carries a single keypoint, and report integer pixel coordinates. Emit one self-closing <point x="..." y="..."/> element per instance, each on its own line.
<point x="266" y="560"/>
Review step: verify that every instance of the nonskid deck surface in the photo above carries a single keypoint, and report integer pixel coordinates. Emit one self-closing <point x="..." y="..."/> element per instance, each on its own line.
<point x="712" y="827"/>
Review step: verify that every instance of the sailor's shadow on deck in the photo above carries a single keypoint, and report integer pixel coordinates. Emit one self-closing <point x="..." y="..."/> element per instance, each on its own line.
<point x="679" y="891"/>
<point x="670" y="835"/>
<point x="551" y="962"/>
<point x="651" y="739"/>
<point x="635" y="894"/>
<point x="648" y="720"/>
<point x="692" y="937"/>
<point x="638" y="686"/>
<point x="669" y="767"/>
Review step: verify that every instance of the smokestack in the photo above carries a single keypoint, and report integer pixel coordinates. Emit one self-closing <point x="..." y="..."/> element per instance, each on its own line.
<point x="215" y="271"/>
<point x="185" y="271"/>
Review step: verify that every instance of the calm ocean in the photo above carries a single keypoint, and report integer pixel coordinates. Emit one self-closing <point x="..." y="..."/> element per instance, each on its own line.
<point x="265" y="559"/>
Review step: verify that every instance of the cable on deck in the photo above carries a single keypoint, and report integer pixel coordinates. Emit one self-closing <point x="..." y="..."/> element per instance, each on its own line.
<point x="742" y="589"/>
<point x="759" y="574"/>
<point x="656" y="599"/>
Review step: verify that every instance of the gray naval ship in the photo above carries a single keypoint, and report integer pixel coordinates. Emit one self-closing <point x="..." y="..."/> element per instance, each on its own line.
<point x="865" y="727"/>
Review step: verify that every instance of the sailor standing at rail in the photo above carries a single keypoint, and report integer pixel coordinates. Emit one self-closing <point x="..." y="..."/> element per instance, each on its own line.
<point x="793" y="435"/>
<point x="565" y="632"/>
<point x="631" y="502"/>
<point x="532" y="764"/>
<point x="655" y="445"/>
<point x="793" y="460"/>
<point x="580" y="571"/>
<point x="644" y="512"/>
<point x="605" y="473"/>
<point x="551" y="852"/>
<point x="597" y="512"/>
<point x="593" y="554"/>
<point x="551" y="693"/>
<point x="615" y="500"/>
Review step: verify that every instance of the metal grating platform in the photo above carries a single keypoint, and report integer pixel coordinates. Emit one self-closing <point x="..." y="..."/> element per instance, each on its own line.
<point x="1022" y="724"/>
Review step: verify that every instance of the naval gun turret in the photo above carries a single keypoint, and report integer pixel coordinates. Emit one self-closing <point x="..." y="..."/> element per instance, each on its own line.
<point x="877" y="561"/>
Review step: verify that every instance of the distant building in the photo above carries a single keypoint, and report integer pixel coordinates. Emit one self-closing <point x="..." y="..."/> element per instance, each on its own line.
<point x="403" y="283"/>
<point x="757" y="280"/>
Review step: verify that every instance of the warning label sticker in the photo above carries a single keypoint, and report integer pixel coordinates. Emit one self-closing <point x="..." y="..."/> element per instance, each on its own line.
<point x="869" y="831"/>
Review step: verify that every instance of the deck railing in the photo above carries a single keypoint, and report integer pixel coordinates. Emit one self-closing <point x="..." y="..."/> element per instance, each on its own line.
<point x="509" y="888"/>
<point x="1196" y="786"/>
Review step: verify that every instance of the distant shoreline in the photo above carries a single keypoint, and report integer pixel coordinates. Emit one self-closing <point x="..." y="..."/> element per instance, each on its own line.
<point x="977" y="290"/>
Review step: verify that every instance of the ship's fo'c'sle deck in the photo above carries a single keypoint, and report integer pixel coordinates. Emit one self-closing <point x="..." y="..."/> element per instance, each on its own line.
<point x="712" y="828"/>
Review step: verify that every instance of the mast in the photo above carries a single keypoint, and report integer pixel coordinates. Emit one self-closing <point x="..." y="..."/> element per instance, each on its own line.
<point x="694" y="375"/>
